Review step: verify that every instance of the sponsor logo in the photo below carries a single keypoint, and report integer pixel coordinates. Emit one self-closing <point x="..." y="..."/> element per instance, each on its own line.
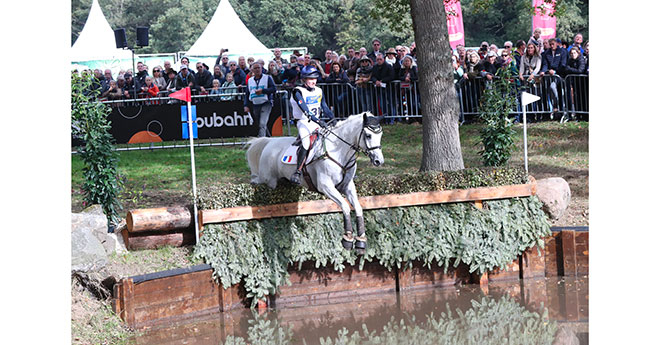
<point x="216" y="120"/>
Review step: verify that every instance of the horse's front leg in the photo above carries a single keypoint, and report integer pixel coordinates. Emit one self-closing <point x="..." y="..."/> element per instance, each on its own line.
<point x="361" y="239"/>
<point x="331" y="192"/>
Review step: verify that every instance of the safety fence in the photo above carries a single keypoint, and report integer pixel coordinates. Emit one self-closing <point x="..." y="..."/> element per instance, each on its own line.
<point x="400" y="100"/>
<point x="563" y="98"/>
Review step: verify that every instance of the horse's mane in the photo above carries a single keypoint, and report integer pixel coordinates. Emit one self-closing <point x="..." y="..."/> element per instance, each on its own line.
<point x="342" y="122"/>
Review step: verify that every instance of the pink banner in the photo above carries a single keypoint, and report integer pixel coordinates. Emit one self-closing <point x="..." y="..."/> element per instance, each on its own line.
<point x="454" y="22"/>
<point x="542" y="19"/>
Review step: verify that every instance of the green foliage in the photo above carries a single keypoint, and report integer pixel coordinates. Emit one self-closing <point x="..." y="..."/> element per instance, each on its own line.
<point x="262" y="331"/>
<point x="497" y="135"/>
<point x="89" y="121"/>
<point x="486" y="321"/>
<point x="231" y="195"/>
<point x="259" y="252"/>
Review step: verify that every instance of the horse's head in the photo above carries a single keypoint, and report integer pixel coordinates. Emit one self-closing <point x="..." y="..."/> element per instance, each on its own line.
<point x="372" y="132"/>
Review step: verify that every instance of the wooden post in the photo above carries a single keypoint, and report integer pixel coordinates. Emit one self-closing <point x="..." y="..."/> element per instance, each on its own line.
<point x="568" y="252"/>
<point x="124" y="302"/>
<point x="532" y="263"/>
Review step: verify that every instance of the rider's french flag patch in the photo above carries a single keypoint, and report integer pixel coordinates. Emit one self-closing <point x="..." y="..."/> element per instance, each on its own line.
<point x="287" y="159"/>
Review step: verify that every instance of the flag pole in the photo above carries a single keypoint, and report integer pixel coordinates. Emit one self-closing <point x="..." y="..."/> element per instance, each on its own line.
<point x="525" y="99"/>
<point x="525" y="136"/>
<point x="192" y="166"/>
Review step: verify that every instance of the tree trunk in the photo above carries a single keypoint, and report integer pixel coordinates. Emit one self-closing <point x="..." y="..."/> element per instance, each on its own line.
<point x="441" y="144"/>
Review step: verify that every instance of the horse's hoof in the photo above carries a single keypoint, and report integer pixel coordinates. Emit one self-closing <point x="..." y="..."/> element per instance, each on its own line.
<point x="348" y="245"/>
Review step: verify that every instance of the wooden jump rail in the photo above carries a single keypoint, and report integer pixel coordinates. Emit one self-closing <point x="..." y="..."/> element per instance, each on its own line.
<point x="368" y="203"/>
<point x="157" y="227"/>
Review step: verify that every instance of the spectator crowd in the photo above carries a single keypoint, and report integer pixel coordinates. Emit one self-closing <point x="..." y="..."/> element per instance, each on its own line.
<point x="527" y="60"/>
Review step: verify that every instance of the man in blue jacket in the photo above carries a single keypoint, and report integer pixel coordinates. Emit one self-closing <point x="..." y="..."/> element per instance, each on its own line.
<point x="554" y="64"/>
<point x="259" y="95"/>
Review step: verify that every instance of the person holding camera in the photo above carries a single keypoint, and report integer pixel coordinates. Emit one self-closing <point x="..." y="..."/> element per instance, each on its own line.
<point x="483" y="50"/>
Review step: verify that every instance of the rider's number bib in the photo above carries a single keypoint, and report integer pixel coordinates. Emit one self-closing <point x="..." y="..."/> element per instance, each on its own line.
<point x="312" y="100"/>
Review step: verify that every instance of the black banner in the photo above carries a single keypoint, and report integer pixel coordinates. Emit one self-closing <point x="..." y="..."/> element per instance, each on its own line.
<point x="155" y="123"/>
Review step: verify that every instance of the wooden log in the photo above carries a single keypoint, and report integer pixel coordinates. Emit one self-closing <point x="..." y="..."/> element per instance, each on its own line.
<point x="367" y="202"/>
<point x="159" y="219"/>
<point x="157" y="239"/>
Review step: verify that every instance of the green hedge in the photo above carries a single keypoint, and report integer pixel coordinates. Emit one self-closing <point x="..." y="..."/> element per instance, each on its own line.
<point x="259" y="252"/>
<point x="231" y="195"/>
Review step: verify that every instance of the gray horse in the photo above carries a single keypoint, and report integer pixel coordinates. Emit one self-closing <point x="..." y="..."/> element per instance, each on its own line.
<point x="331" y="167"/>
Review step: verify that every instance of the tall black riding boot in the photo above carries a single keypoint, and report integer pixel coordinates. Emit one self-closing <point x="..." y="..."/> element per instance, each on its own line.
<point x="302" y="156"/>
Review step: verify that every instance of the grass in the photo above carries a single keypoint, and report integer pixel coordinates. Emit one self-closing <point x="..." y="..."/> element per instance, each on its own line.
<point x="152" y="176"/>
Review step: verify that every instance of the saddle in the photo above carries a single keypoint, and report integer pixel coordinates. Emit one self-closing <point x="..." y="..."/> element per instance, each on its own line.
<point x="290" y="156"/>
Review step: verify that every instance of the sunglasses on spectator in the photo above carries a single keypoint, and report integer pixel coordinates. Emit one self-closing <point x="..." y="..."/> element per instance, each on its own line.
<point x="156" y="70"/>
<point x="505" y="55"/>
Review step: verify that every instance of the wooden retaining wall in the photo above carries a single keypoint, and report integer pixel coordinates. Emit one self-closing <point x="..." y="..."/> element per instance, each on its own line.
<point x="161" y="297"/>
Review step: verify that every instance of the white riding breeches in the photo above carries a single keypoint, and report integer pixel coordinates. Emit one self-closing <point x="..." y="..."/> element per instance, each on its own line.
<point x="305" y="128"/>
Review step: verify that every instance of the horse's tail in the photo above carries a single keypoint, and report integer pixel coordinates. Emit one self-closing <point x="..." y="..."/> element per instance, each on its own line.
<point x="254" y="148"/>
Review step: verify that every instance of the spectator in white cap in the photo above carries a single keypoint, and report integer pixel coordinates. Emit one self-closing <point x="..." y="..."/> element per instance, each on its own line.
<point x="489" y="66"/>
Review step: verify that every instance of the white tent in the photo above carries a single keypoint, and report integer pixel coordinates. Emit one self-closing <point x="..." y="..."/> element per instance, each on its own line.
<point x="97" y="40"/>
<point x="226" y="30"/>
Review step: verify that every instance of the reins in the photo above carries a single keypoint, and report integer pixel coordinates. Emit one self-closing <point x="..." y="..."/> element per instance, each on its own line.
<point x="352" y="161"/>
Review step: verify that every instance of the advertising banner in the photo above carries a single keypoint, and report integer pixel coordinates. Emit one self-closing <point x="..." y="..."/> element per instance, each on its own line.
<point x="455" y="23"/>
<point x="156" y="123"/>
<point x="542" y="19"/>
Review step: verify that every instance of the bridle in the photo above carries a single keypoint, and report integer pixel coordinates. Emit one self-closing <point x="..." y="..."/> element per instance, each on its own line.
<point x="376" y="128"/>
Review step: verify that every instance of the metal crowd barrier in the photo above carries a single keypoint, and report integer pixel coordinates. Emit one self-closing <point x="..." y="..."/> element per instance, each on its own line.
<point x="400" y="101"/>
<point x="569" y="96"/>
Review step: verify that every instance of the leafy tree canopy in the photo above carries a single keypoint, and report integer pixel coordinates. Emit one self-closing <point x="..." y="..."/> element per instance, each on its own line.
<point x="332" y="24"/>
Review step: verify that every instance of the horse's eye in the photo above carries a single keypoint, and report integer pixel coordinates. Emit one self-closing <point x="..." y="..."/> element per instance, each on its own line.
<point x="368" y="136"/>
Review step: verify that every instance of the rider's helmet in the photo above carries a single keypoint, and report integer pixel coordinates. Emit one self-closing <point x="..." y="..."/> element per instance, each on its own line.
<point x="309" y="72"/>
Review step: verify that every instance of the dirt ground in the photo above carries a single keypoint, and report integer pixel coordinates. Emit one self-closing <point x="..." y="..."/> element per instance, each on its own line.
<point x="577" y="213"/>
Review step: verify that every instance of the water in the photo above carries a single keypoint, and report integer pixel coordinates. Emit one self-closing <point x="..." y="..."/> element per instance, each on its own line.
<point x="532" y="311"/>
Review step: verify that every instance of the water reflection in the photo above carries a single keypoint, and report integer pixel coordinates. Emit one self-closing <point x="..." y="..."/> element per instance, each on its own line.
<point x="536" y="311"/>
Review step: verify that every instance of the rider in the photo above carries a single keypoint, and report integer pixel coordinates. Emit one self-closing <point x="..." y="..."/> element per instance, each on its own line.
<point x="308" y="105"/>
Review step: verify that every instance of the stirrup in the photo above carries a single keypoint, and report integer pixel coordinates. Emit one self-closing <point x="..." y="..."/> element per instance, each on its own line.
<point x="295" y="178"/>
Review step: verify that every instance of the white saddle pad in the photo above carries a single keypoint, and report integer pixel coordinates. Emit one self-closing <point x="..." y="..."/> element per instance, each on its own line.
<point x="290" y="157"/>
